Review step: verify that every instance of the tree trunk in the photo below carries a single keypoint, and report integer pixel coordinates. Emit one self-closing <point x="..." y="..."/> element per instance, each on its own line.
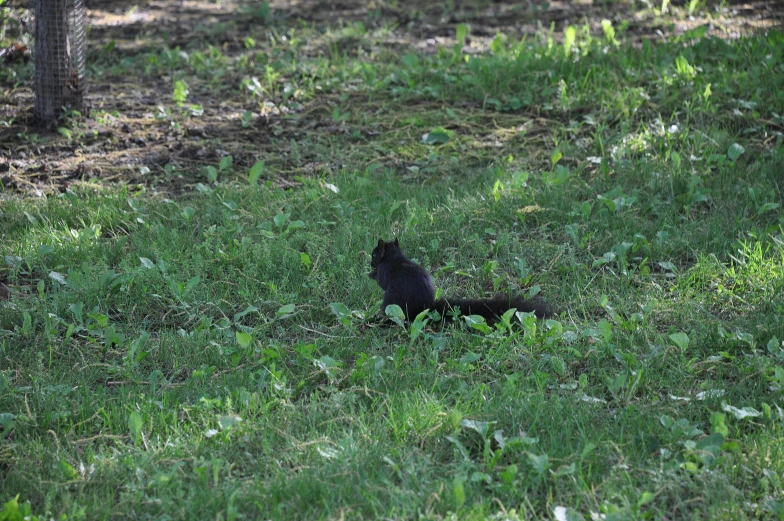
<point x="57" y="77"/>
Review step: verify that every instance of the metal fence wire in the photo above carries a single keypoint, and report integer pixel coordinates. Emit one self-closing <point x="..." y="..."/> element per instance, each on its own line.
<point x="59" y="52"/>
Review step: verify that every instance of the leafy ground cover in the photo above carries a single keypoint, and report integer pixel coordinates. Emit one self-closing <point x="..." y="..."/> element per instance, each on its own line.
<point x="184" y="323"/>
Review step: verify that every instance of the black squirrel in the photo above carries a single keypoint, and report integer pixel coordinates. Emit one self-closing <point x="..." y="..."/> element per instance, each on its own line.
<point x="410" y="286"/>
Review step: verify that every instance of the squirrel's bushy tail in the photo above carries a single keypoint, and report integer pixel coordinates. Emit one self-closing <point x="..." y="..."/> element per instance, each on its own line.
<point x="493" y="307"/>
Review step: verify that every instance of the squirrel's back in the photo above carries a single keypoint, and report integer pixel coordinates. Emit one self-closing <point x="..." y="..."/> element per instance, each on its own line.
<point x="404" y="282"/>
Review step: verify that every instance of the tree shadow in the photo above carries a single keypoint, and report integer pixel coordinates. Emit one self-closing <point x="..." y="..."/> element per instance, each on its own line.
<point x="137" y="145"/>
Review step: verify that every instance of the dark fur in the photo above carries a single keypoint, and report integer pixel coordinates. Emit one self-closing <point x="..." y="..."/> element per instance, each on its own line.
<point x="410" y="286"/>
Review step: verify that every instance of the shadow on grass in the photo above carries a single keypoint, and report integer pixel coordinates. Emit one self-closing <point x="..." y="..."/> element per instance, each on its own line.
<point x="137" y="50"/>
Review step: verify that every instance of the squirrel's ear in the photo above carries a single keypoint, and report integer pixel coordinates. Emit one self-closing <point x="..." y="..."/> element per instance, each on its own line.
<point x="396" y="242"/>
<point x="381" y="243"/>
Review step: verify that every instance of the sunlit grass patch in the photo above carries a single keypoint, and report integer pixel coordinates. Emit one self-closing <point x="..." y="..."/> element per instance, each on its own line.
<point x="752" y="277"/>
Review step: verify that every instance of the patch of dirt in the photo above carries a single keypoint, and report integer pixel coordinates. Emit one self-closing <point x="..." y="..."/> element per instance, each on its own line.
<point x="144" y="144"/>
<point x="515" y="18"/>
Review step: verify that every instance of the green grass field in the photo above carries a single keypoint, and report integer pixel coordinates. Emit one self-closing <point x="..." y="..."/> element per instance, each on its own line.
<point x="197" y="342"/>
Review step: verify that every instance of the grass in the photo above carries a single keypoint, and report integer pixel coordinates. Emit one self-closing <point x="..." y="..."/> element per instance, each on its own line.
<point x="210" y="355"/>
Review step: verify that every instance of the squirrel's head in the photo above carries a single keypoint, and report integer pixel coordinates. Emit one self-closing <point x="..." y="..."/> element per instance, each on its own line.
<point x="382" y="250"/>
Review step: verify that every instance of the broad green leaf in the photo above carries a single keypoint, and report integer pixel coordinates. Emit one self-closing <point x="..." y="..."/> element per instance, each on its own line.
<point x="327" y="362"/>
<point x="135" y="424"/>
<point x="718" y="424"/>
<point x="280" y="219"/>
<point x="735" y="151"/>
<point x="508" y="475"/>
<point x="519" y="178"/>
<point x="480" y="427"/>
<point x="70" y="472"/>
<point x="506" y="318"/>
<point x="7" y="422"/>
<point x="712" y="442"/>
<point x="570" y="36"/>
<point x="690" y="467"/>
<point x="609" y="203"/>
<point x="340" y="310"/>
<point x="285" y="311"/>
<point x="533" y="291"/>
<point x="605" y="259"/>
<point x="462" y="32"/>
<point x="774" y="507"/>
<point x="710" y="394"/>
<point x="147" y="263"/>
<point x="555" y="156"/>
<point x="470" y="358"/>
<point x="249" y="309"/>
<point x="587" y="450"/>
<point x="77" y="308"/>
<point x="30" y="218"/>
<point x="767" y="207"/>
<point x="410" y="60"/>
<point x="676" y="159"/>
<point x="395" y="314"/>
<point x="646" y="498"/>
<point x="225" y="163"/>
<point x="244" y="339"/>
<point x="12" y="512"/>
<point x="458" y="490"/>
<point x="540" y="463"/>
<point x="497" y="45"/>
<point x="454" y="419"/>
<point x="192" y="283"/>
<point x="255" y="173"/>
<point x="438" y="136"/>
<point x="59" y="277"/>
<point x="293" y="225"/>
<point x="180" y="93"/>
<point x="477" y="322"/>
<point x="741" y="414"/>
<point x="609" y="32"/>
<point x="681" y="340"/>
<point x="417" y="326"/>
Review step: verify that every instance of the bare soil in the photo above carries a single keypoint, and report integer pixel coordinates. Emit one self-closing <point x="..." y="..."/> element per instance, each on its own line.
<point x="135" y="146"/>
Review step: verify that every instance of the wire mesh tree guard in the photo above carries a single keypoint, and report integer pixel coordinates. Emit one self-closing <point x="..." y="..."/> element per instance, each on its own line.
<point x="59" y="58"/>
